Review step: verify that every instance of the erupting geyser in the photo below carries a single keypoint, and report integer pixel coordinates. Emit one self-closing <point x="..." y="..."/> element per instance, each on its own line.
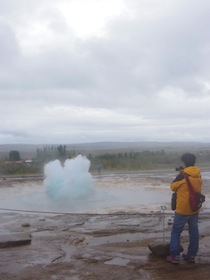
<point x="70" y="181"/>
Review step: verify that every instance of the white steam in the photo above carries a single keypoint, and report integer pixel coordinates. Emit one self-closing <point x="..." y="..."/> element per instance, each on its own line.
<point x="72" y="180"/>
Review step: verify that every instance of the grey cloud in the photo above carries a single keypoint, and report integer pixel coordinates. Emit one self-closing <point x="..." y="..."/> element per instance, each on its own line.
<point x="13" y="133"/>
<point x="9" y="50"/>
<point x="129" y="71"/>
<point x="143" y="58"/>
<point x="171" y="48"/>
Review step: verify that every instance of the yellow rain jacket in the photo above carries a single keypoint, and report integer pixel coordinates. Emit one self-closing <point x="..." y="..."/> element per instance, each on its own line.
<point x="179" y="186"/>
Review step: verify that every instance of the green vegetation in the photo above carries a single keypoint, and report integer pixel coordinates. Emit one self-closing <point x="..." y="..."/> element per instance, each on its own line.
<point x="114" y="160"/>
<point x="14" y="168"/>
<point x="135" y="160"/>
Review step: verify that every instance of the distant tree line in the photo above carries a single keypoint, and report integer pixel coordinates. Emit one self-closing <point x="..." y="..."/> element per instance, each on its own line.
<point x="126" y="160"/>
<point x="49" y="153"/>
<point x="136" y="160"/>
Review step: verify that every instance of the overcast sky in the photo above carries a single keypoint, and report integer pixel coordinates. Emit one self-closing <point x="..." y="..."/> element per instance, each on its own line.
<point x="76" y="71"/>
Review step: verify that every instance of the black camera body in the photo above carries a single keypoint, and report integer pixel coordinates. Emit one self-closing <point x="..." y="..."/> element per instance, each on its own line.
<point x="179" y="168"/>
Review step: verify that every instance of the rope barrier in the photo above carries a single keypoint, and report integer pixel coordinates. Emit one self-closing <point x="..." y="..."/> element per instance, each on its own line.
<point x="35" y="211"/>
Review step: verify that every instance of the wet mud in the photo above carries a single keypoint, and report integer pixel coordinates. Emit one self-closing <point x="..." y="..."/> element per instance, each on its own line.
<point x="112" y="246"/>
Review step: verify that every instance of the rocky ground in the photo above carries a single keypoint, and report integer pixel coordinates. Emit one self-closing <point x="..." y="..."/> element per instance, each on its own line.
<point x="43" y="246"/>
<point x="89" y="247"/>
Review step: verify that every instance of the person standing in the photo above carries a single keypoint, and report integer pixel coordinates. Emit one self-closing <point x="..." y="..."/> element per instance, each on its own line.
<point x="99" y="166"/>
<point x="184" y="214"/>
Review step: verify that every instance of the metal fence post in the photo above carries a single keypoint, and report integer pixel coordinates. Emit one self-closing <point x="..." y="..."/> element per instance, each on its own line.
<point x="163" y="208"/>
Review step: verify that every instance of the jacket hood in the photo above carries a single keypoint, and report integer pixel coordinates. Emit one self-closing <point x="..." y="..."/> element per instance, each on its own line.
<point x="193" y="171"/>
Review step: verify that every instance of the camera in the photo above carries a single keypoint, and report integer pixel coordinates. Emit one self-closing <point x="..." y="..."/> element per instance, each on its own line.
<point x="179" y="168"/>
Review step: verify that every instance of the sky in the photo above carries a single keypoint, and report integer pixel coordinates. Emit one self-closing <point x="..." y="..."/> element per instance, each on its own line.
<point x="78" y="71"/>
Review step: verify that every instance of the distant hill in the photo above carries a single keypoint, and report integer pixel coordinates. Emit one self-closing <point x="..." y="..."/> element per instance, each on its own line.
<point x="29" y="150"/>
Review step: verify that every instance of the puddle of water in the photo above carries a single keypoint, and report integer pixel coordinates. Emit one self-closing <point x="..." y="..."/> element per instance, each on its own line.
<point x="135" y="192"/>
<point x="118" y="261"/>
<point x="103" y="200"/>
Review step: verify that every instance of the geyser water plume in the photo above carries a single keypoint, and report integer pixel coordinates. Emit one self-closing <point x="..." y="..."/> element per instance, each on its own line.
<point x="72" y="180"/>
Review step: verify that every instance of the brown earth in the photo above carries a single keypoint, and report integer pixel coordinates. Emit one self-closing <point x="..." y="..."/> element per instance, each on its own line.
<point x="89" y="247"/>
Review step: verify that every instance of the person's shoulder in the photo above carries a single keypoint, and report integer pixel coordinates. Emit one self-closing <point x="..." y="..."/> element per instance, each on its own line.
<point x="193" y="171"/>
